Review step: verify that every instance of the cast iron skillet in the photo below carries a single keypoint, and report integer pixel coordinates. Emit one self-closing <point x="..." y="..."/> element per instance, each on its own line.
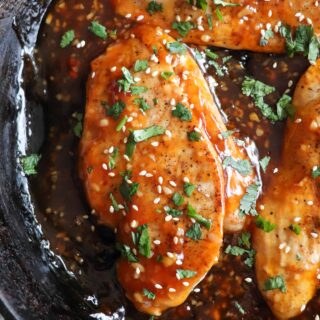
<point x="34" y="283"/>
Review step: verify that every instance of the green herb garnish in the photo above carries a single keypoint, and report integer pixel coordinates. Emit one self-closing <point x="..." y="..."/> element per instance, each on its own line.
<point x="249" y="200"/>
<point x="99" y="30"/>
<point x="154" y="6"/>
<point x="264" y="224"/>
<point x="185" y="274"/>
<point x="242" y="166"/>
<point x="191" y="213"/>
<point x="182" y="112"/>
<point x="29" y="164"/>
<point x="194" y="232"/>
<point x="67" y="38"/>
<point x="177" y="199"/>
<point x="188" y="188"/>
<point x="274" y="283"/>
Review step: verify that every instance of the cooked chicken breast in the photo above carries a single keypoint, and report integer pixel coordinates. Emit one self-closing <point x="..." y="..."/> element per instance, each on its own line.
<point x="287" y="261"/>
<point x="149" y="168"/>
<point x="237" y="24"/>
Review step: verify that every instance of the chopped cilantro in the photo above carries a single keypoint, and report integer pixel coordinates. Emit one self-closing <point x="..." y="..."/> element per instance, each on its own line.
<point x="112" y="158"/>
<point x="276" y="282"/>
<point x="267" y="35"/>
<point x="144" y="242"/>
<point x="295" y="228"/>
<point x="227" y="134"/>
<point x="194" y="135"/>
<point x="242" y="166"/>
<point x="125" y="83"/>
<point x="210" y="22"/>
<point x="183" y="27"/>
<point x="142" y="135"/>
<point x="177" y="199"/>
<point x="136" y="90"/>
<point x="121" y="123"/>
<point x="285" y="108"/>
<point x="166" y="74"/>
<point x="315" y="172"/>
<point x="210" y="54"/>
<point x="244" y="240"/>
<point x="188" y="188"/>
<point x="304" y="41"/>
<point x="140" y="65"/>
<point x="220" y="71"/>
<point x="150" y="295"/>
<point x="177" y="47"/>
<point x="143" y="105"/>
<point x="154" y="6"/>
<point x="191" y="213"/>
<point x="201" y="4"/>
<point x="77" y="129"/>
<point x="264" y="224"/>
<point x="239" y="307"/>
<point x="126" y="252"/>
<point x="185" y="274"/>
<point x="29" y="164"/>
<point x="182" y="112"/>
<point x="264" y="163"/>
<point x="99" y="30"/>
<point x="238" y="251"/>
<point x="249" y="200"/>
<point x="127" y="189"/>
<point x="115" y="110"/>
<point x="67" y="38"/>
<point x="194" y="232"/>
<point x="114" y="202"/>
<point x="173" y="212"/>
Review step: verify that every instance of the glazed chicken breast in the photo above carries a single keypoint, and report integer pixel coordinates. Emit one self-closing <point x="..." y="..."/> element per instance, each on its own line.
<point x="237" y="24"/>
<point x="288" y="250"/>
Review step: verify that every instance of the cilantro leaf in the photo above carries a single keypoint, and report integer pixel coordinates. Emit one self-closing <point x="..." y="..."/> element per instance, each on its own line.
<point x="173" y="212"/>
<point x="125" y="83"/>
<point x="242" y="166"/>
<point x="264" y="162"/>
<point x="144" y="242"/>
<point x="185" y="274"/>
<point x="127" y="190"/>
<point x="99" y="30"/>
<point x="140" y="65"/>
<point x="188" y="188"/>
<point x="245" y="240"/>
<point x="115" y="110"/>
<point x="114" y="202"/>
<point x="177" y="199"/>
<point x="285" y="108"/>
<point x="315" y="172"/>
<point x="264" y="224"/>
<point x="136" y="90"/>
<point x="67" y="38"/>
<point x="126" y="252"/>
<point x="150" y="295"/>
<point x="113" y="157"/>
<point x="143" y="105"/>
<point x="194" y="136"/>
<point x="182" y="112"/>
<point x="183" y="27"/>
<point x="194" y="232"/>
<point x="249" y="200"/>
<point x="29" y="164"/>
<point x="295" y="228"/>
<point x="267" y="35"/>
<point x="177" y="47"/>
<point x="191" y="213"/>
<point x="166" y="74"/>
<point x="274" y="283"/>
<point x="154" y="6"/>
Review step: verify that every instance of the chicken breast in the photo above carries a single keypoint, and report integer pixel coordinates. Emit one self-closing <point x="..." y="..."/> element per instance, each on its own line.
<point x="149" y="168"/>
<point x="238" y="24"/>
<point x="288" y="257"/>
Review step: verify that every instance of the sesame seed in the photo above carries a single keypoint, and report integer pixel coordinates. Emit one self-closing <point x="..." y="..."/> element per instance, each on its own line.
<point x="143" y="173"/>
<point x="297" y="219"/>
<point x="104" y="166"/>
<point x="287" y="250"/>
<point x="170" y="254"/>
<point x="138" y="271"/>
<point x="148" y="71"/>
<point x="282" y="245"/>
<point x="248" y="280"/>
<point x="158" y="286"/>
<point x="156" y="200"/>
<point x="160" y="180"/>
<point x="179" y="262"/>
<point x="314" y="235"/>
<point x="186" y="283"/>
<point x="155" y="73"/>
<point x="126" y="157"/>
<point x="186" y="180"/>
<point x="156" y="242"/>
<point x="140" y="18"/>
<point x="135" y="207"/>
<point x="310" y="203"/>
<point x="175" y="240"/>
<point x="111" y="174"/>
<point x="168" y="133"/>
<point x="113" y="69"/>
<point x="159" y="189"/>
<point x="168" y="218"/>
<point x="196" y="290"/>
<point x="172" y="183"/>
<point x="111" y="149"/>
<point x="155" y="144"/>
<point x="303" y="307"/>
<point x="149" y="175"/>
<point x="129" y="15"/>
<point x="173" y="102"/>
<point x="172" y="290"/>
<point x="134" y="224"/>
<point x="111" y="209"/>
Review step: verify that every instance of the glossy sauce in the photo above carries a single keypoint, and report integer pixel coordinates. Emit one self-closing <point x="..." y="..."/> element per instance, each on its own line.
<point x="88" y="249"/>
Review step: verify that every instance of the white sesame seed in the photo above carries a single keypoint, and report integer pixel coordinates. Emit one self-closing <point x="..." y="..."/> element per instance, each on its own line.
<point x="275" y="170"/>
<point x="143" y="173"/>
<point x="111" y="149"/>
<point x="172" y="183"/>
<point x="175" y="240"/>
<point x="172" y="290"/>
<point x="111" y="209"/>
<point x="186" y="180"/>
<point x="179" y="262"/>
<point x="134" y="223"/>
<point x="111" y="174"/>
<point x="149" y="175"/>
<point x="135" y="207"/>
<point x="186" y="283"/>
<point x="138" y="271"/>
<point x="297" y="219"/>
<point x="168" y="218"/>
<point x="113" y="69"/>
<point x="248" y="280"/>
<point x="158" y="286"/>
<point x="303" y="307"/>
<point x="140" y="18"/>
<point x="155" y="143"/>
<point x="156" y="242"/>
<point x="168" y="133"/>
<point x="148" y="70"/>
<point x="126" y="157"/>
<point x="196" y="290"/>
<point x="160" y="180"/>
<point x="104" y="166"/>
<point x="155" y="73"/>
<point x="314" y="235"/>
<point x="173" y="102"/>
<point x="156" y="200"/>
<point x="129" y="15"/>
<point x="159" y="189"/>
<point x="287" y="250"/>
<point x="170" y="254"/>
<point x="282" y="245"/>
<point x="310" y="203"/>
